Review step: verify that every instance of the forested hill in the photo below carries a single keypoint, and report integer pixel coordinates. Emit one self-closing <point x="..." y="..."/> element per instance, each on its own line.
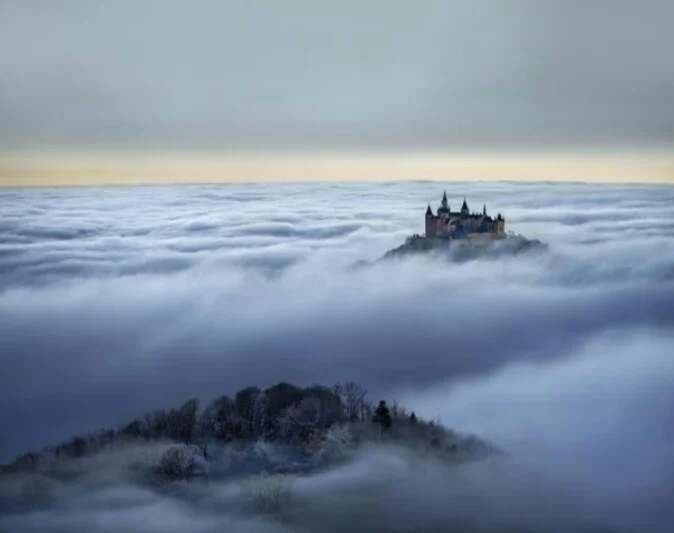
<point x="466" y="249"/>
<point x="306" y="420"/>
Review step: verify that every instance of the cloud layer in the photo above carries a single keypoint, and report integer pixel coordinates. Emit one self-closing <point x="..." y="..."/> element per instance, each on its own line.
<point x="115" y="301"/>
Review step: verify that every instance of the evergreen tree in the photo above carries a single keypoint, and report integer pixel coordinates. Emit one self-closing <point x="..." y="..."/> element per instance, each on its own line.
<point x="382" y="416"/>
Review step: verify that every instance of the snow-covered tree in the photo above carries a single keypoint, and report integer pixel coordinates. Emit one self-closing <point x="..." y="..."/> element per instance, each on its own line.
<point x="267" y="493"/>
<point x="181" y="462"/>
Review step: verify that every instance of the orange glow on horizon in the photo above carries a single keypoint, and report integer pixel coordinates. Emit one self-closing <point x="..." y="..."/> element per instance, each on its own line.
<point x="124" y="168"/>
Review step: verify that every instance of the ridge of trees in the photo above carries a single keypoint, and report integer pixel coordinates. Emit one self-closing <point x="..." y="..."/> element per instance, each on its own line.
<point x="283" y="413"/>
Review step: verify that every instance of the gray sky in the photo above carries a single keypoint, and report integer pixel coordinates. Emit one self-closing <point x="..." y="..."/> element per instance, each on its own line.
<point x="306" y="74"/>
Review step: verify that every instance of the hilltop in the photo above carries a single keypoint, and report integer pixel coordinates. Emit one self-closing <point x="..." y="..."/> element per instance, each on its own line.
<point x="463" y="235"/>
<point x="283" y="429"/>
<point x="465" y="249"/>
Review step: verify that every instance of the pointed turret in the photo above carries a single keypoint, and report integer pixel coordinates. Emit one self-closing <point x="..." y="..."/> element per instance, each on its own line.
<point x="444" y="208"/>
<point x="429" y="211"/>
<point x="464" y="208"/>
<point x="484" y="210"/>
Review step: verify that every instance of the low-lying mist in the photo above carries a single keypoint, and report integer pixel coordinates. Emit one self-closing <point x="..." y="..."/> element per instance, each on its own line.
<point x="115" y="302"/>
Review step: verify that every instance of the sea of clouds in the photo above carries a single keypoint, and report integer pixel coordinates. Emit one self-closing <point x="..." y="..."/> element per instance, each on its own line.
<point x="116" y="301"/>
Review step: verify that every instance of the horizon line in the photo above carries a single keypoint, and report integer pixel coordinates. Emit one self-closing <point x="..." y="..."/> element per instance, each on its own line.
<point x="73" y="168"/>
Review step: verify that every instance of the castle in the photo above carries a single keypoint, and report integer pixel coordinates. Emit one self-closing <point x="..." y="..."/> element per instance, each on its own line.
<point x="462" y="224"/>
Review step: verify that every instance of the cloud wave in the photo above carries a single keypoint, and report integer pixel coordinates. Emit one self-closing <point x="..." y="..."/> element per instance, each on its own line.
<point x="115" y="301"/>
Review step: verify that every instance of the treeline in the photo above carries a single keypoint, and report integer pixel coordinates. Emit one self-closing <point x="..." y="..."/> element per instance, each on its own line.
<point x="282" y="413"/>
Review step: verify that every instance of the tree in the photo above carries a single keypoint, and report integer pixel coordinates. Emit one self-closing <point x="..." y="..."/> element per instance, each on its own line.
<point x="157" y="424"/>
<point x="267" y="493"/>
<point x="300" y="424"/>
<point x="262" y="424"/>
<point x="78" y="447"/>
<point x="331" y="407"/>
<point x="221" y="420"/>
<point x="132" y="430"/>
<point x="181" y="462"/>
<point x="281" y="396"/>
<point x="245" y="404"/>
<point x="182" y="422"/>
<point x="382" y="416"/>
<point x="353" y="398"/>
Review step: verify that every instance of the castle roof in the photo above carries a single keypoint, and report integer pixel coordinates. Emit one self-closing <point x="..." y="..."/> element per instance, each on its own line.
<point x="465" y="213"/>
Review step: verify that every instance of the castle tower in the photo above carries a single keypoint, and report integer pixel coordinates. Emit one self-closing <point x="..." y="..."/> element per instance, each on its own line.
<point x="431" y="222"/>
<point x="444" y="207"/>
<point x="484" y="210"/>
<point x="464" y="208"/>
<point x="500" y="225"/>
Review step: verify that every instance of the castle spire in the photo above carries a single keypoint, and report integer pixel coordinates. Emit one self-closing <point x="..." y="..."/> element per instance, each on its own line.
<point x="429" y="211"/>
<point x="444" y="199"/>
<point x="464" y="207"/>
<point x="484" y="210"/>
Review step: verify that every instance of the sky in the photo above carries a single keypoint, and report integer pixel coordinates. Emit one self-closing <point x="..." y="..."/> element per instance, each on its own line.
<point x="215" y="84"/>
<point x="117" y="301"/>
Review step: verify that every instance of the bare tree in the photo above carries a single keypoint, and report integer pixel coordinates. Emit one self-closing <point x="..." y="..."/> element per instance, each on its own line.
<point x="221" y="420"/>
<point x="267" y="493"/>
<point x="245" y="403"/>
<point x="261" y="422"/>
<point x="181" y="462"/>
<point x="182" y="422"/>
<point x="332" y="409"/>
<point x="336" y="443"/>
<point x="353" y="397"/>
<point x="398" y="411"/>
<point x="156" y="425"/>
<point x="302" y="424"/>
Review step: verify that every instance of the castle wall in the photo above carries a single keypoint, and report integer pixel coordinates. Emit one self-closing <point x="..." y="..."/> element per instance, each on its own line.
<point x="499" y="227"/>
